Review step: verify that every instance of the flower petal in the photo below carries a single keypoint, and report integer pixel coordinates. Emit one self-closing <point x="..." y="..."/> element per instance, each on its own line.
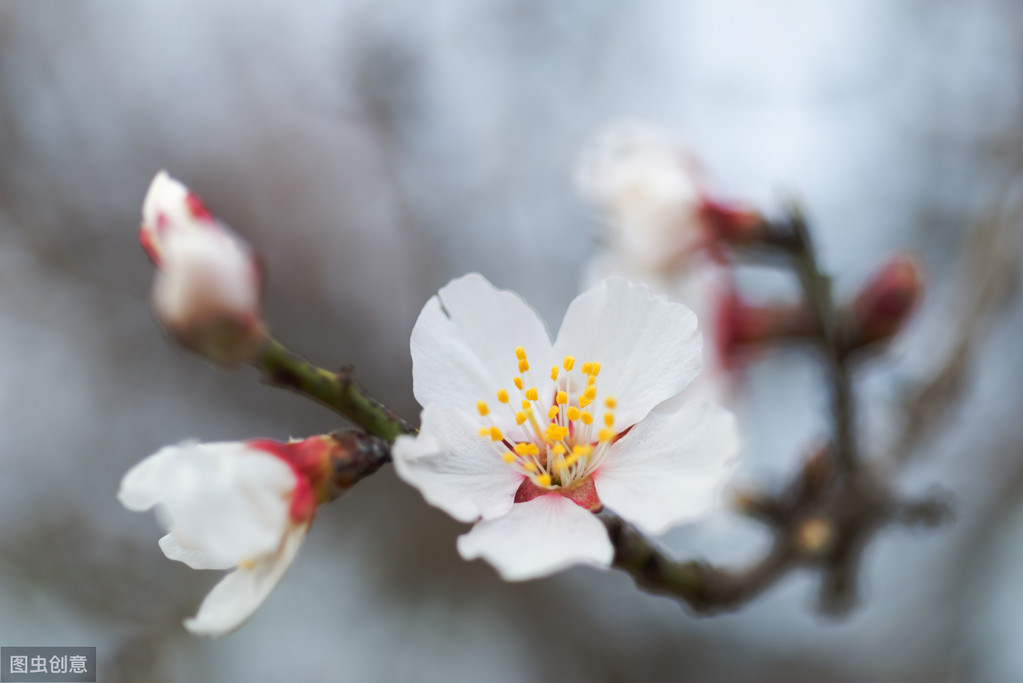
<point x="241" y="592"/>
<point x="226" y="499"/>
<point x="648" y="347"/>
<point x="671" y="467"/>
<point x="195" y="558"/>
<point x="538" y="538"/>
<point x="454" y="468"/>
<point x="463" y="344"/>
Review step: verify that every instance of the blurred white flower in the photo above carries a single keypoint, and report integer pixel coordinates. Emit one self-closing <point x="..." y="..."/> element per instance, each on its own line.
<point x="565" y="437"/>
<point x="237" y="505"/>
<point x="207" y="289"/>
<point x="647" y="184"/>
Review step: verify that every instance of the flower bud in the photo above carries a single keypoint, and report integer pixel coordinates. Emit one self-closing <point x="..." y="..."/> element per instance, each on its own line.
<point x="885" y="302"/>
<point x="207" y="290"/>
<point x="741" y="327"/>
<point x="732" y="223"/>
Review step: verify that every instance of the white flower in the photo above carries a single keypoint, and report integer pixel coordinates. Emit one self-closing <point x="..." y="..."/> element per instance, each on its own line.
<point x="207" y="290"/>
<point x="529" y="437"/>
<point x="647" y="183"/>
<point x="225" y="505"/>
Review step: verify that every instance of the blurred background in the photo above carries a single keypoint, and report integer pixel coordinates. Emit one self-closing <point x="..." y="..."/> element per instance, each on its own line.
<point x="374" y="150"/>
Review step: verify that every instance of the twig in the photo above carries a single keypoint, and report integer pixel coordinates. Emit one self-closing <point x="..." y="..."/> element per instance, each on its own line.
<point x="337" y="390"/>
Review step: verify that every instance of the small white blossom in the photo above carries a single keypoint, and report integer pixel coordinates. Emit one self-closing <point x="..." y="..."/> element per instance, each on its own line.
<point x="648" y="186"/>
<point x="528" y="438"/>
<point x="207" y="290"/>
<point x="225" y="506"/>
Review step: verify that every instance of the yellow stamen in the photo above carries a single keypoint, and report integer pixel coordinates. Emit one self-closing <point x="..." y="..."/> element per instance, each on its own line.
<point x="502" y="395"/>
<point x="525" y="404"/>
<point x="508" y="457"/>
<point x="558" y="449"/>
<point x="495" y="434"/>
<point x="606" y="434"/>
<point x="582" y="451"/>
<point x="590" y="393"/>
<point x="586" y="417"/>
<point x="568" y="363"/>
<point x="522" y="448"/>
<point x="520" y="418"/>
<point x="609" y="419"/>
<point x="583" y="401"/>
<point x="573" y="413"/>
<point x="591" y="381"/>
<point x="562" y="398"/>
<point x="530" y="466"/>
<point x="553" y="412"/>
<point x="568" y="462"/>
<point x="484" y="431"/>
<point x="483" y="408"/>
<point x="520" y="353"/>
<point x="523" y="365"/>
<point x="554" y="373"/>
<point x="586" y="368"/>
<point x="518" y="383"/>
<point x="543" y="480"/>
<point x="532" y="394"/>
<point x="610" y="402"/>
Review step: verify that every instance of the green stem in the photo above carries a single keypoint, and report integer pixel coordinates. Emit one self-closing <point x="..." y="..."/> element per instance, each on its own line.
<point x="337" y="390"/>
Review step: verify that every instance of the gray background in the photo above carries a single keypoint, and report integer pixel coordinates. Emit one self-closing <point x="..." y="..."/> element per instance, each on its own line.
<point x="374" y="150"/>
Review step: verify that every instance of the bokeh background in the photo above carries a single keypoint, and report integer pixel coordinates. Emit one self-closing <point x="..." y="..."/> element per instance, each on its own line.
<point x="373" y="150"/>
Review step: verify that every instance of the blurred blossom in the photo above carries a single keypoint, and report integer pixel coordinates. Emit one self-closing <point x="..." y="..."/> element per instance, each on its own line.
<point x="886" y="301"/>
<point x="553" y="451"/>
<point x="207" y="289"/>
<point x="647" y="184"/>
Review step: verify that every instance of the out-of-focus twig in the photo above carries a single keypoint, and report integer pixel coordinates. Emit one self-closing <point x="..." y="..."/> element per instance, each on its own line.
<point x="989" y="273"/>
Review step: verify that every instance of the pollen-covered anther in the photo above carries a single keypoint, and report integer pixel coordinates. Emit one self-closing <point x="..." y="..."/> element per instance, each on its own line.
<point x="609" y="419"/>
<point x="518" y="383"/>
<point x="495" y="434"/>
<point x="543" y="480"/>
<point x="605" y="435"/>
<point x="502" y="395"/>
<point x="520" y="353"/>
<point x="568" y="363"/>
<point x="553" y="412"/>
<point x="482" y="408"/>
<point x="554" y="373"/>
<point x="520" y="418"/>
<point x="610" y="402"/>
<point x="586" y="417"/>
<point x="523" y="366"/>
<point x="572" y="413"/>
<point x="532" y="394"/>
<point x="562" y="398"/>
<point x="508" y="457"/>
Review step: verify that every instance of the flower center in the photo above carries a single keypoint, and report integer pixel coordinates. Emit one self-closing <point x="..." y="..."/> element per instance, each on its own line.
<point x="562" y="433"/>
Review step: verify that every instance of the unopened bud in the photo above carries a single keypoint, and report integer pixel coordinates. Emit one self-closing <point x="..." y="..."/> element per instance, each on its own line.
<point x="207" y="290"/>
<point x="885" y="302"/>
<point x="742" y="327"/>
<point x="732" y="223"/>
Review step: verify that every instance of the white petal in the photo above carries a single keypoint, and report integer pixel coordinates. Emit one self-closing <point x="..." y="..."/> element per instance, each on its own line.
<point x="204" y="275"/>
<point x="463" y="344"/>
<point x="226" y="499"/>
<point x="240" y="593"/>
<point x="454" y="468"/>
<point x="648" y="347"/>
<point x="196" y="558"/>
<point x="671" y="467"/>
<point x="538" y="538"/>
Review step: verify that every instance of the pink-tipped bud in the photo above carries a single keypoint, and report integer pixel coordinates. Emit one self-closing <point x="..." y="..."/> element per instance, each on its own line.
<point x="742" y="327"/>
<point x="885" y="303"/>
<point x="732" y="223"/>
<point x="207" y="292"/>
